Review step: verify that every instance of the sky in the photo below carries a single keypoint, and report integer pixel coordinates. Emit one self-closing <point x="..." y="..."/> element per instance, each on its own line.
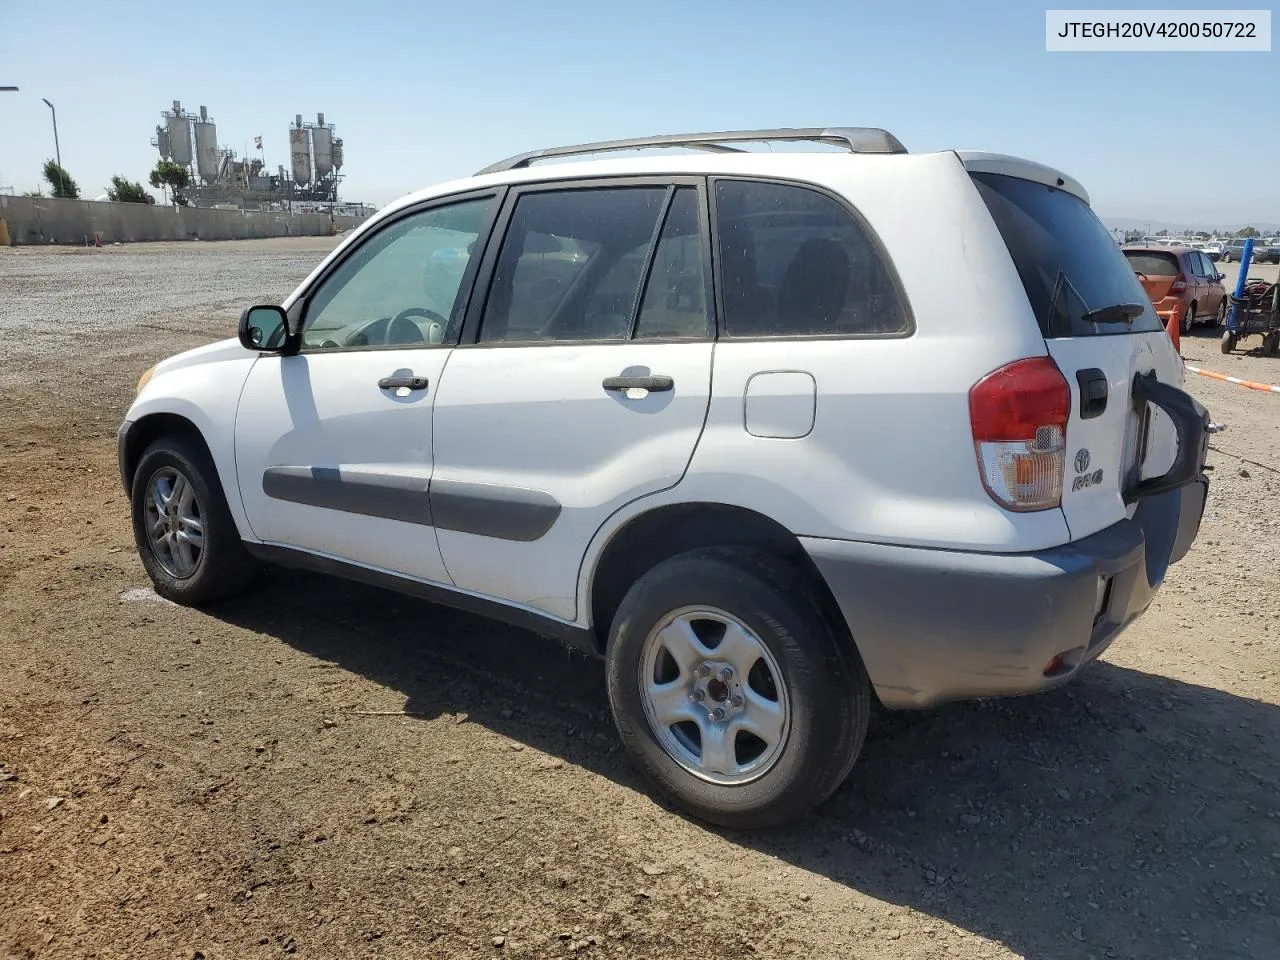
<point x="424" y="91"/>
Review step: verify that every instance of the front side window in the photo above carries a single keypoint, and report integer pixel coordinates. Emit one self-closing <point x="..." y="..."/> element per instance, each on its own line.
<point x="402" y="286"/>
<point x="794" y="262"/>
<point x="571" y="265"/>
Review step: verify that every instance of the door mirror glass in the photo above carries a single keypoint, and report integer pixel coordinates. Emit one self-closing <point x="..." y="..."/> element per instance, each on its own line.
<point x="264" y="328"/>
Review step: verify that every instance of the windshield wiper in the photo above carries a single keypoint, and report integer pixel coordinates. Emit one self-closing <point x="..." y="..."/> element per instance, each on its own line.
<point x="1116" y="313"/>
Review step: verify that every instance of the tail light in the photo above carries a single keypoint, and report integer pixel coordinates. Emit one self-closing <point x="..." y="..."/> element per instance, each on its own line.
<point x="1019" y="418"/>
<point x="1179" y="284"/>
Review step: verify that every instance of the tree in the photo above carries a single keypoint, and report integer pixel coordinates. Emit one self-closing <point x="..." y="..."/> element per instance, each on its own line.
<point x="64" y="187"/>
<point x="172" y="177"/>
<point x="126" y="191"/>
<point x="1248" y="232"/>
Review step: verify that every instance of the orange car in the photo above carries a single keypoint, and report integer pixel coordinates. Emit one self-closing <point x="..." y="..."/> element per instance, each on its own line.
<point x="1183" y="283"/>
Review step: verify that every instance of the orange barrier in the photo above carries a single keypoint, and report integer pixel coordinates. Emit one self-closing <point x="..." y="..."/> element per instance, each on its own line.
<point x="1251" y="384"/>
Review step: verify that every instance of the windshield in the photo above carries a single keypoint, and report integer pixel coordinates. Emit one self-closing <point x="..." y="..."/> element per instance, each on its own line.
<point x="1068" y="264"/>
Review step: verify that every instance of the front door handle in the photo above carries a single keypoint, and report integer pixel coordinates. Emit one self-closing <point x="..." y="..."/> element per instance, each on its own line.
<point x="406" y="382"/>
<point x="654" y="384"/>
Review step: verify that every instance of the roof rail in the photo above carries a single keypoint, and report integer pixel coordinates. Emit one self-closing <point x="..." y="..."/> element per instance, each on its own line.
<point x="855" y="139"/>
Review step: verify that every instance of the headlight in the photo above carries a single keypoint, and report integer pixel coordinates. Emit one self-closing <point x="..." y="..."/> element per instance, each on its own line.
<point x="142" y="381"/>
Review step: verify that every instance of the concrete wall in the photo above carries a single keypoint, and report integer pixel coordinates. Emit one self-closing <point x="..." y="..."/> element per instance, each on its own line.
<point x="34" y="220"/>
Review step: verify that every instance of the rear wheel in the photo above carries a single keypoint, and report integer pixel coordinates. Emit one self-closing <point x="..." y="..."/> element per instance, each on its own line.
<point x="733" y="693"/>
<point x="184" y="532"/>
<point x="1228" y="342"/>
<point x="1220" y="318"/>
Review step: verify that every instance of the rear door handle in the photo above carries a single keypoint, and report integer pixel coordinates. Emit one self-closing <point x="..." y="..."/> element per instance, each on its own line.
<point x="1093" y="392"/>
<point x="655" y="384"/>
<point x="409" y="383"/>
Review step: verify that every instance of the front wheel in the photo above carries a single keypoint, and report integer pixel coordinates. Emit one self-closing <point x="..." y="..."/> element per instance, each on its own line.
<point x="1228" y="342"/>
<point x="734" y="694"/>
<point x="1189" y="319"/>
<point x="184" y="532"/>
<point x="1220" y="318"/>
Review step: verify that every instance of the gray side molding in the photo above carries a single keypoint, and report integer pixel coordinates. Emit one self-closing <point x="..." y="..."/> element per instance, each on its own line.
<point x="490" y="510"/>
<point x="390" y="496"/>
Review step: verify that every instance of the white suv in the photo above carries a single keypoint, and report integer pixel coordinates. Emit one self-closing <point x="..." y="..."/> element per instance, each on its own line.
<point x="780" y="435"/>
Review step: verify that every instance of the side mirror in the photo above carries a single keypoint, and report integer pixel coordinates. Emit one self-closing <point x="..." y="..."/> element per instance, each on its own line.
<point x="264" y="328"/>
<point x="1222" y="276"/>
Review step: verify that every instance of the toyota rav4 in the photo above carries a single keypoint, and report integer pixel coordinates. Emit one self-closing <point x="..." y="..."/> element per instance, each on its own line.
<point x="780" y="435"/>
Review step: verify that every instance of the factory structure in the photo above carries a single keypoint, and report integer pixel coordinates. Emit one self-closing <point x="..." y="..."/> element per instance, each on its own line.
<point x="221" y="178"/>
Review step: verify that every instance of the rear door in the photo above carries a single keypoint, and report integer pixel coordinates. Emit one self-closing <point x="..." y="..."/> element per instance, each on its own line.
<point x="1214" y="293"/>
<point x="1102" y="331"/>
<point x="581" y="384"/>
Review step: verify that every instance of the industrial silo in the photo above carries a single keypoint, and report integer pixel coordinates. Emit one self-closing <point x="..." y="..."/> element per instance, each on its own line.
<point x="206" y="148"/>
<point x="179" y="129"/>
<point x="337" y="153"/>
<point x="322" y="147"/>
<point x="300" y="153"/>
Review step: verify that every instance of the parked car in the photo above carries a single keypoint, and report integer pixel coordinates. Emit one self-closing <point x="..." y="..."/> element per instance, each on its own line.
<point x="1263" y="252"/>
<point x="1212" y="249"/>
<point x="1184" y="285"/>
<point x="719" y="418"/>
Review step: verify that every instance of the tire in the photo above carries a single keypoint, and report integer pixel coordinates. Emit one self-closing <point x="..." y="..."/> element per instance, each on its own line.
<point x="1228" y="342"/>
<point x="821" y="691"/>
<point x="1219" y="319"/>
<point x="1188" y="318"/>
<point x="219" y="567"/>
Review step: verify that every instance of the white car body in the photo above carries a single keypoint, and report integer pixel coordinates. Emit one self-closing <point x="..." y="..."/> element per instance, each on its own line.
<point x="860" y="448"/>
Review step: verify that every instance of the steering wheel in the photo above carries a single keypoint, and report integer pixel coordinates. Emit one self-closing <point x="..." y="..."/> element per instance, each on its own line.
<point x="400" y="325"/>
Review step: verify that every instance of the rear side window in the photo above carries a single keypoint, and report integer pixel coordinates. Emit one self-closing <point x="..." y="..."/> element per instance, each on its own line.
<point x="1069" y="265"/>
<point x="795" y="263"/>
<point x="1152" y="264"/>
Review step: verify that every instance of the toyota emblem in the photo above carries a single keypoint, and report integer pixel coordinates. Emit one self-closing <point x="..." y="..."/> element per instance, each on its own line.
<point x="1082" y="460"/>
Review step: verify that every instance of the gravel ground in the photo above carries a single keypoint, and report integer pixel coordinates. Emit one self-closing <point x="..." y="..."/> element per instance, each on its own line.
<point x="325" y="770"/>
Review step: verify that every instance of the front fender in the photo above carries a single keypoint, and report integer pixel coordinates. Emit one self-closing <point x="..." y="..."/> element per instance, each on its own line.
<point x="207" y="395"/>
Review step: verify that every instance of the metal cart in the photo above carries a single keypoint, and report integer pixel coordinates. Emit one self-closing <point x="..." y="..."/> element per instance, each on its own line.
<point x="1255" y="309"/>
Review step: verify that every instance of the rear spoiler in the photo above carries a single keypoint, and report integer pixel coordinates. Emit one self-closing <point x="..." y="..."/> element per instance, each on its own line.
<point x="977" y="162"/>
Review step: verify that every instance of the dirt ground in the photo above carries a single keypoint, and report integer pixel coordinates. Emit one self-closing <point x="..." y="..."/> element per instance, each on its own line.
<point x="240" y="781"/>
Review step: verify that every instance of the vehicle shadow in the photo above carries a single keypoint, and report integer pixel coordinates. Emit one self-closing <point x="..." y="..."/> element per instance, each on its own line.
<point x="1128" y="815"/>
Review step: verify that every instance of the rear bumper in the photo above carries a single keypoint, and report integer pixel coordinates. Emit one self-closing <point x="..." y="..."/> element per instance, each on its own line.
<point x="1170" y="309"/>
<point x="937" y="625"/>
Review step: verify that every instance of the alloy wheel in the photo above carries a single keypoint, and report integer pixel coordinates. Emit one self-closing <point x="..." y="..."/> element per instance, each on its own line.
<point x="175" y="522"/>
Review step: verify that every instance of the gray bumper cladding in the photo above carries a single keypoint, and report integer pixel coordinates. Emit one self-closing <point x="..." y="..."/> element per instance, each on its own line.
<point x="935" y="625"/>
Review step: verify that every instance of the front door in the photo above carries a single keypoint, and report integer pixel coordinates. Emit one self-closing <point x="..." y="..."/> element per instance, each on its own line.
<point x="333" y="444"/>
<point x="585" y="385"/>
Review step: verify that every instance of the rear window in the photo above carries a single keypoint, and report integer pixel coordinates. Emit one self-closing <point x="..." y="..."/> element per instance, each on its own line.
<point x="1068" y="263"/>
<point x="1153" y="264"/>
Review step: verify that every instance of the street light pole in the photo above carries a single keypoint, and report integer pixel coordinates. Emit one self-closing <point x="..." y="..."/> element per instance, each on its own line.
<point x="56" y="149"/>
